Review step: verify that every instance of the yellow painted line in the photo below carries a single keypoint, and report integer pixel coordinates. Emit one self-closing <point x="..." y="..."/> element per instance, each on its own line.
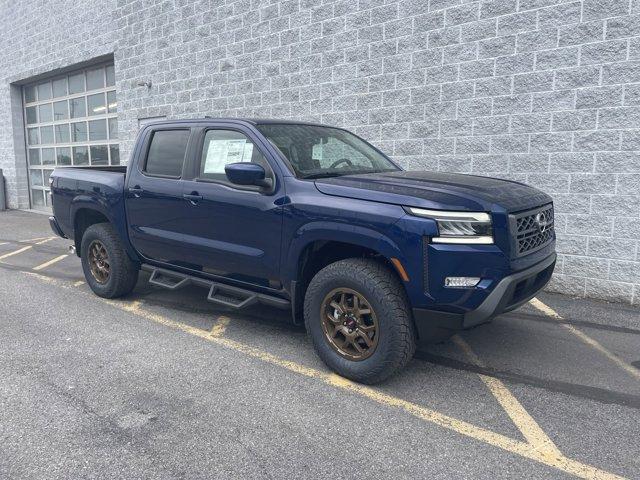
<point x="526" y="450"/>
<point x="220" y="326"/>
<point x="503" y="442"/>
<point x="519" y="416"/>
<point x="50" y="262"/>
<point x="15" y="252"/>
<point x="586" y="339"/>
<point x="47" y="279"/>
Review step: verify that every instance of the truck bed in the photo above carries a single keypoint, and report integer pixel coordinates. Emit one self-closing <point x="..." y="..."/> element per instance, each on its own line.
<point x="105" y="168"/>
<point x="98" y="188"/>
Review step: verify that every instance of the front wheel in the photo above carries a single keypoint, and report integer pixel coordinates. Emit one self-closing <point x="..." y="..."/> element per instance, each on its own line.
<point x="359" y="321"/>
<point x="107" y="268"/>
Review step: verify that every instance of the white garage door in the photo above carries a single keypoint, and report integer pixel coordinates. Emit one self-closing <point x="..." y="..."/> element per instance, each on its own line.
<point x="70" y="120"/>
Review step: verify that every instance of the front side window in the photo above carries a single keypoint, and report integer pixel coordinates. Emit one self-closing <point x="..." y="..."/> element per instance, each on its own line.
<point x="317" y="151"/>
<point x="166" y="153"/>
<point x="222" y="147"/>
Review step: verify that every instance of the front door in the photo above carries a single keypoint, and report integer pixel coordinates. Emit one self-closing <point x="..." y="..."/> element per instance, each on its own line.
<point x="232" y="231"/>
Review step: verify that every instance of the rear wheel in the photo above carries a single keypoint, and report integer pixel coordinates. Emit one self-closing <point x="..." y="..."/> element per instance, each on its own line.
<point x="359" y="320"/>
<point x="107" y="268"/>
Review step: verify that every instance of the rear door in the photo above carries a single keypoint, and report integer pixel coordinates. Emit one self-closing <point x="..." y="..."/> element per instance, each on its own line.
<point x="154" y="202"/>
<point x="232" y="231"/>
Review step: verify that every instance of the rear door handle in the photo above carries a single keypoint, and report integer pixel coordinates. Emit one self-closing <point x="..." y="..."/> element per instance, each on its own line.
<point x="136" y="191"/>
<point x="193" y="197"/>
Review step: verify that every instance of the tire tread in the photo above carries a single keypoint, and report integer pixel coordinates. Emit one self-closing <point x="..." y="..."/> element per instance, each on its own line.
<point x="123" y="269"/>
<point x="377" y="277"/>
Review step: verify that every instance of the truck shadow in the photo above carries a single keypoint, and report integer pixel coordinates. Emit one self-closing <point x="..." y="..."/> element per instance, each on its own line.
<point x="192" y="301"/>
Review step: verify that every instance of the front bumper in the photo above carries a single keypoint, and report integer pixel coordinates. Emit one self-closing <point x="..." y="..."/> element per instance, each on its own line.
<point x="511" y="292"/>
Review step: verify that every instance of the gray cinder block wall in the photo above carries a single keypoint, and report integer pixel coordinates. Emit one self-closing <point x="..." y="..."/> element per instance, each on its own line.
<point x="39" y="37"/>
<point x="541" y="91"/>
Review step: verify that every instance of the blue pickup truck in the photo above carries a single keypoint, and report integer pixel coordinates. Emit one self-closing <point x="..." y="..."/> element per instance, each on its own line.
<point x="312" y="219"/>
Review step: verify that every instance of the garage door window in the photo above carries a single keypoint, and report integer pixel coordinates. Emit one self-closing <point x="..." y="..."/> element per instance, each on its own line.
<point x="70" y="120"/>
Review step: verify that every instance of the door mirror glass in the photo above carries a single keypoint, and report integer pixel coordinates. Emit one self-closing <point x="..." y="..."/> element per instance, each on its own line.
<point x="246" y="173"/>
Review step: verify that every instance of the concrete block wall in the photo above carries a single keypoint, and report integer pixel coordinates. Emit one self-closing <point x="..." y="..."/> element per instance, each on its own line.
<point x="541" y="91"/>
<point x="41" y="36"/>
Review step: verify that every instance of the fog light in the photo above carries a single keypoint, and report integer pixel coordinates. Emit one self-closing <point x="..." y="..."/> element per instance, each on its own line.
<point x="461" y="282"/>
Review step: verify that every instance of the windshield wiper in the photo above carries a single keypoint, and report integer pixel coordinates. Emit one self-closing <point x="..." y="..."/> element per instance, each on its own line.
<point x="323" y="175"/>
<point x="342" y="173"/>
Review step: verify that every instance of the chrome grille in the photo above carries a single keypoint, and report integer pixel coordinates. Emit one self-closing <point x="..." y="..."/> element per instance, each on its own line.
<point x="533" y="229"/>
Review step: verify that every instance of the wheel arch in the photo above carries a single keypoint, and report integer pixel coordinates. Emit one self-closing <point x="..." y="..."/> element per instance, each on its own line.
<point x="318" y="246"/>
<point x="83" y="218"/>
<point x="86" y="211"/>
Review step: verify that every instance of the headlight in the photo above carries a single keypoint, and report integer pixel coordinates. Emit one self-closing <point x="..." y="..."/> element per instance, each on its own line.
<point x="458" y="227"/>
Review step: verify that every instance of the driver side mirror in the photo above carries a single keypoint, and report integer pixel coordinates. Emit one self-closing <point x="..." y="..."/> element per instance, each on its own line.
<point x="246" y="173"/>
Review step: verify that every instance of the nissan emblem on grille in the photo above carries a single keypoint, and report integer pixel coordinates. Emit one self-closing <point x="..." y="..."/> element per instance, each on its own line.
<point x="533" y="229"/>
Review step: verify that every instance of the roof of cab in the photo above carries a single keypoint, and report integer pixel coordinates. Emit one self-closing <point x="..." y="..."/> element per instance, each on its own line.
<point x="251" y="121"/>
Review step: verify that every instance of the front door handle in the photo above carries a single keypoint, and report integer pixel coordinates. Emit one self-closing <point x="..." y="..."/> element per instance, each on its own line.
<point x="137" y="191"/>
<point x="193" y="197"/>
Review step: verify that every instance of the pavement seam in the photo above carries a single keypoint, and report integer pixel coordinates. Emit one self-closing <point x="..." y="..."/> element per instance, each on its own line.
<point x="586" y="339"/>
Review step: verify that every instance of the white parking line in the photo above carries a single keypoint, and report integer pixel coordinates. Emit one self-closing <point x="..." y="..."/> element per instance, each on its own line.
<point x="50" y="262"/>
<point x="45" y="240"/>
<point x="32" y="239"/>
<point x="15" y="252"/>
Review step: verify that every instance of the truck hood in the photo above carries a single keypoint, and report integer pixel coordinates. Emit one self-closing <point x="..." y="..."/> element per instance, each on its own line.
<point x="440" y="191"/>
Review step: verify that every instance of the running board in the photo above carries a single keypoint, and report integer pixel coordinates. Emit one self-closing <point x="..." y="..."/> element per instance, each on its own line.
<point x="219" y="293"/>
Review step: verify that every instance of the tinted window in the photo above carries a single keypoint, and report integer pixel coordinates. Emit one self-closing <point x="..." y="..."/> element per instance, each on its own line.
<point x="166" y="152"/>
<point x="226" y="146"/>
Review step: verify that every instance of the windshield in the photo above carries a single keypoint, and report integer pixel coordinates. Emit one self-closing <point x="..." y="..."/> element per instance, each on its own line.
<point x="317" y="152"/>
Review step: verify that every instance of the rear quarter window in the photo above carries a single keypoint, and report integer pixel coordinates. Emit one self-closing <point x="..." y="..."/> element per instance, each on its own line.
<point x="166" y="153"/>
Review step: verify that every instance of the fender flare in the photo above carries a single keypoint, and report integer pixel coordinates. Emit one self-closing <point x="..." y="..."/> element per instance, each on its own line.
<point x="338" y="232"/>
<point x="100" y="205"/>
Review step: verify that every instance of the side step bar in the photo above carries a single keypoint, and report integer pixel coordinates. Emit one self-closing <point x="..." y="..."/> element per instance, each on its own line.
<point x="220" y="293"/>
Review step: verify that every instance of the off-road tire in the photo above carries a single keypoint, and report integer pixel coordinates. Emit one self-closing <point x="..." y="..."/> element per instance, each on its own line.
<point x="123" y="274"/>
<point x="382" y="289"/>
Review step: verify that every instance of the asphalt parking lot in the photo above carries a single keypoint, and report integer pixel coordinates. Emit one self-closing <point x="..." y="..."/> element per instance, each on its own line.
<point x="163" y="384"/>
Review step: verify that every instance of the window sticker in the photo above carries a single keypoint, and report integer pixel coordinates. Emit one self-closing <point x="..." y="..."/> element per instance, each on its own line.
<point x="316" y="151"/>
<point x="222" y="152"/>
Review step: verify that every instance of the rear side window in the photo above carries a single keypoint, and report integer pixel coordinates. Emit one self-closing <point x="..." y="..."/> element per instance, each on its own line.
<point x="167" y="152"/>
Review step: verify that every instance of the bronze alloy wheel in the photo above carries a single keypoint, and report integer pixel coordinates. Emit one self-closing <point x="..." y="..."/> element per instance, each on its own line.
<point x="99" y="261"/>
<point x="349" y="324"/>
